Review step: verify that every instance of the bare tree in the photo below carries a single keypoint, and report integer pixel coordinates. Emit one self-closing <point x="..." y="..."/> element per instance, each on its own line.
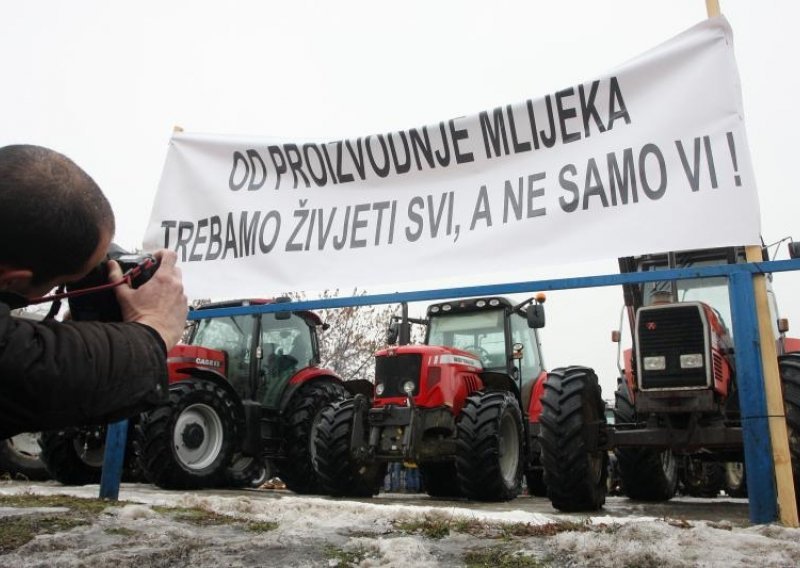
<point x="353" y="336"/>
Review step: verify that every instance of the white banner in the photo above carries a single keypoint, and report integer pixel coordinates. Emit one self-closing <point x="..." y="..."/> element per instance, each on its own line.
<point x="650" y="157"/>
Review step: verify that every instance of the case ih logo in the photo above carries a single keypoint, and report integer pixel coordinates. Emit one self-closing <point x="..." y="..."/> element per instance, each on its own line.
<point x="208" y="362"/>
<point x="651" y="326"/>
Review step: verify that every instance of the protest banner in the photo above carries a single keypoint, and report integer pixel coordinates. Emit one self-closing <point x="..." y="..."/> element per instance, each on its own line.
<point x="650" y="157"/>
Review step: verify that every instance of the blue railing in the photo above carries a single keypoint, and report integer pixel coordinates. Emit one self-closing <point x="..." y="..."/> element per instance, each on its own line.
<point x="758" y="454"/>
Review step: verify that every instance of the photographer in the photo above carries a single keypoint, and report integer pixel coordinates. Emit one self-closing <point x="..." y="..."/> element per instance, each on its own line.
<point x="55" y="227"/>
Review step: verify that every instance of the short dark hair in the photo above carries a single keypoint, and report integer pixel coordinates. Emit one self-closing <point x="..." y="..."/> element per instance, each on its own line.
<point x="52" y="213"/>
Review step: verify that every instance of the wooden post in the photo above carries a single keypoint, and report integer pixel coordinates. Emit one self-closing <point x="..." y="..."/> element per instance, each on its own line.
<point x="779" y="436"/>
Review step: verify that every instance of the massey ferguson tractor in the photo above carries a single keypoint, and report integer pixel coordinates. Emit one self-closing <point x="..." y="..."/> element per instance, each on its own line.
<point x="244" y="393"/>
<point x="464" y="406"/>
<point x="677" y="402"/>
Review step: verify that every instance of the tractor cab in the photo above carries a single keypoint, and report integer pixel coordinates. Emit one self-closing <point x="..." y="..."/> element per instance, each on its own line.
<point x="257" y="353"/>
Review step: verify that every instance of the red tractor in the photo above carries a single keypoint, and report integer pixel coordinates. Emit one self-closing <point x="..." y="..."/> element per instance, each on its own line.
<point x="464" y="407"/>
<point x="244" y="393"/>
<point x="677" y="410"/>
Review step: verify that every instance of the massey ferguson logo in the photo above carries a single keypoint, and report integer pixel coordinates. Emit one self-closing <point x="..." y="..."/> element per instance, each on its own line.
<point x="207" y="362"/>
<point x="650" y="325"/>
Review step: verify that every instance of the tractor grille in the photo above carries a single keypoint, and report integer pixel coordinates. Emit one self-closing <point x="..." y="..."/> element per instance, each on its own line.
<point x="395" y="370"/>
<point x="670" y="332"/>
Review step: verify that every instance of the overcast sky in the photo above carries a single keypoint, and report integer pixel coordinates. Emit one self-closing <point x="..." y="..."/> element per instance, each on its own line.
<point x="105" y="82"/>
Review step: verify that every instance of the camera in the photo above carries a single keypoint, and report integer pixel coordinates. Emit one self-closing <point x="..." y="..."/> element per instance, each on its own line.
<point x="102" y="305"/>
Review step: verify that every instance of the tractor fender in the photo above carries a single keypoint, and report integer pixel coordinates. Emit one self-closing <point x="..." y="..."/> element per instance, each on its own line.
<point x="307" y="375"/>
<point x="360" y="386"/>
<point x="214" y="377"/>
<point x="197" y="372"/>
<point x="494" y="381"/>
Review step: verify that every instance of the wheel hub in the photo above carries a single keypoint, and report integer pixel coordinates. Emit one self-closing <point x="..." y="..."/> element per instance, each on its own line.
<point x="193" y="436"/>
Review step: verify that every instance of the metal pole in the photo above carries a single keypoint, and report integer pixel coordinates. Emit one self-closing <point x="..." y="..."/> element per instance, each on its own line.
<point x="759" y="466"/>
<point x="113" y="458"/>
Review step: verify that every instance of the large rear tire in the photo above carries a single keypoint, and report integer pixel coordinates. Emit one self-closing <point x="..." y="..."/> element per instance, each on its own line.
<point x="189" y="443"/>
<point x="489" y="447"/>
<point x="20" y="457"/>
<point x="338" y="474"/>
<point x="789" y="366"/>
<point x="646" y="474"/>
<point x="573" y="427"/>
<point x="296" y="470"/>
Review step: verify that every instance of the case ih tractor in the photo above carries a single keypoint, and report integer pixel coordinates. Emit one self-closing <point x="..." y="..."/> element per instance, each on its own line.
<point x="464" y="407"/>
<point x="677" y="403"/>
<point x="244" y="392"/>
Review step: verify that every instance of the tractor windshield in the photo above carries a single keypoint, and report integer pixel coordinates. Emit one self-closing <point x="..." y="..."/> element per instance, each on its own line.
<point x="481" y="333"/>
<point x="712" y="291"/>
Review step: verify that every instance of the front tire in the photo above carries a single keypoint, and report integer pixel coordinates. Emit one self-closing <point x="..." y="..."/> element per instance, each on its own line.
<point x="296" y="470"/>
<point x="339" y="474"/>
<point x="573" y="426"/>
<point x="189" y="443"/>
<point x="702" y="479"/>
<point x="489" y="447"/>
<point x="646" y="474"/>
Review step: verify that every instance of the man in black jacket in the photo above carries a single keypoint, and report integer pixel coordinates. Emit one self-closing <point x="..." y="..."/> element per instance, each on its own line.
<point x="56" y="226"/>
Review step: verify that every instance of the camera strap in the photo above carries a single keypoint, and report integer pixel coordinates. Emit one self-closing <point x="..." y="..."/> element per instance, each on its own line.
<point x="61" y="294"/>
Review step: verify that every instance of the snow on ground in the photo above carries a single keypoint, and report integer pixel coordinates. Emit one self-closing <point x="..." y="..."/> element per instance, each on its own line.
<point x="299" y="531"/>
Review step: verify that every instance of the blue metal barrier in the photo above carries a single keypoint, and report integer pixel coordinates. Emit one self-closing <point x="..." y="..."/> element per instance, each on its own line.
<point x="757" y="445"/>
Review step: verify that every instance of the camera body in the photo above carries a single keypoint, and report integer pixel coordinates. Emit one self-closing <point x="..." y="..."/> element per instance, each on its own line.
<point x="102" y="305"/>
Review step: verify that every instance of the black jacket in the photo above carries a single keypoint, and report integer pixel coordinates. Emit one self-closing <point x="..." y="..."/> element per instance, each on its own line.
<point x="59" y="374"/>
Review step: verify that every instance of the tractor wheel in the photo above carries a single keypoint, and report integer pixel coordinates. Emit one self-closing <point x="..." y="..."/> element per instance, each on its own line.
<point x="189" y="443"/>
<point x="489" y="456"/>
<point x="247" y="471"/>
<point x="338" y="474"/>
<point x="735" y="479"/>
<point x="19" y="457"/>
<point x="790" y="380"/>
<point x="74" y="456"/>
<point x="573" y="427"/>
<point x="439" y="479"/>
<point x="646" y="474"/>
<point x="702" y="479"/>
<point x="296" y="470"/>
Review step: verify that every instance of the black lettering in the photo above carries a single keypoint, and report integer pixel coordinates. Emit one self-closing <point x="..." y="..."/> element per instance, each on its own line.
<point x="593" y="185"/>
<point x="199" y="239"/>
<point x="416" y="218"/>
<point x="383" y="170"/>
<point x="214" y="238"/>
<point x="238" y="160"/>
<point x="494" y="134"/>
<point x="616" y="105"/>
<point x="456" y="135"/>
<point x="267" y="247"/>
<point x="565" y="114"/>
<point x="588" y="108"/>
<point x="618" y="182"/>
<point x="254" y="157"/>
<point x="275" y="154"/>
<point x="568" y="206"/>
<point x="652" y="149"/>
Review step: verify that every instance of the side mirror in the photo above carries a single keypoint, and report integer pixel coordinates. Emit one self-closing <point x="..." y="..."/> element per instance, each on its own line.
<point x="535" y="315"/>
<point x="283" y="315"/>
<point x="794" y="250"/>
<point x="392" y="333"/>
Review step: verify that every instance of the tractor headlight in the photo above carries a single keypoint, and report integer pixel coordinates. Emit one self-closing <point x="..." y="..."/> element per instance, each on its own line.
<point x="379" y="388"/>
<point x="658" y="363"/>
<point x="408" y="387"/>
<point x="692" y="361"/>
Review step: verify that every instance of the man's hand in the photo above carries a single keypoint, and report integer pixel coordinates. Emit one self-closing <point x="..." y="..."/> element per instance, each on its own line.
<point x="159" y="302"/>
